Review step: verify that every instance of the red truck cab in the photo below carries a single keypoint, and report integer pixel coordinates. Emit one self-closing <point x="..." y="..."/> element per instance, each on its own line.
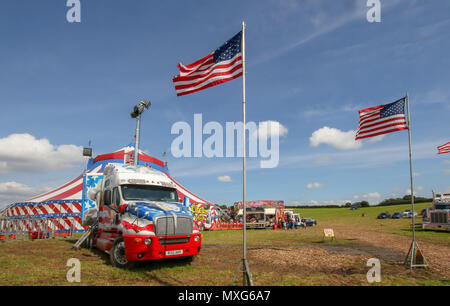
<point x="140" y="217"/>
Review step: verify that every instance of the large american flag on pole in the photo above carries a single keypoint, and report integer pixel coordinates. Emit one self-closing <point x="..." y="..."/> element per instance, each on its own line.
<point x="445" y="148"/>
<point x="220" y="66"/>
<point x="382" y="119"/>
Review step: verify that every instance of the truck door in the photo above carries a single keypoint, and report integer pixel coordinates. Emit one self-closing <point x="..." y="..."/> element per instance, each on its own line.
<point x="113" y="209"/>
<point x="110" y="208"/>
<point x="106" y="210"/>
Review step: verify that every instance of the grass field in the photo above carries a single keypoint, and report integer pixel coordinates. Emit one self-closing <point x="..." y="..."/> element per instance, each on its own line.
<point x="341" y="216"/>
<point x="281" y="258"/>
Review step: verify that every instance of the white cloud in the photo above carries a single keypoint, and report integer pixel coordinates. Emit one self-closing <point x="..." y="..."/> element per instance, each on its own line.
<point x="373" y="195"/>
<point x="416" y="190"/>
<point x="271" y="128"/>
<point x="25" y="153"/>
<point x="294" y="203"/>
<point x="11" y="192"/>
<point x="314" y="185"/>
<point x="336" y="138"/>
<point x="224" y="179"/>
<point x="417" y="174"/>
<point x="14" y="188"/>
<point x="326" y="202"/>
<point x="375" y="138"/>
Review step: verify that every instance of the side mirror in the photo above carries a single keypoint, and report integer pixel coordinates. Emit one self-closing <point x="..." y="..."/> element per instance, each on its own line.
<point x="186" y="202"/>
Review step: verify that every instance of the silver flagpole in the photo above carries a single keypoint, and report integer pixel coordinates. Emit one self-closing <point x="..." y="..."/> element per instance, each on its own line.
<point x="412" y="187"/>
<point x="414" y="245"/>
<point x="247" y="276"/>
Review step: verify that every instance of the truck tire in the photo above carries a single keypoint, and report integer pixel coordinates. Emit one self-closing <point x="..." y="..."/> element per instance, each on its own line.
<point x="117" y="255"/>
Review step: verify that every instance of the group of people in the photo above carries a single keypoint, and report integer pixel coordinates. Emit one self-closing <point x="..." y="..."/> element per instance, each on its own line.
<point x="288" y="222"/>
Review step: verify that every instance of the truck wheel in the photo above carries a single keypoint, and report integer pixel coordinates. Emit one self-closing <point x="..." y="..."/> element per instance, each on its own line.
<point x="117" y="255"/>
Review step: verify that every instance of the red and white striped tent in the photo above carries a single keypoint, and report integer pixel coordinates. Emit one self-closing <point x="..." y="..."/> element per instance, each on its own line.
<point x="62" y="206"/>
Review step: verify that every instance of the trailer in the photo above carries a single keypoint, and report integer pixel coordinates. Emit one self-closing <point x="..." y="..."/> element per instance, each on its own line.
<point x="255" y="217"/>
<point x="261" y="214"/>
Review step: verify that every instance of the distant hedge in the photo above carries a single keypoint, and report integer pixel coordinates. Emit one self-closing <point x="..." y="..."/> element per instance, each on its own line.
<point x="388" y="202"/>
<point x="405" y="200"/>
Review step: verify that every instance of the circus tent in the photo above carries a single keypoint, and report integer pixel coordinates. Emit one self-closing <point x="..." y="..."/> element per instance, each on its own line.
<point x="62" y="207"/>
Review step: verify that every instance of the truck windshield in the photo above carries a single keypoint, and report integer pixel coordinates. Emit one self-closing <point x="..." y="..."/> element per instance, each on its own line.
<point x="149" y="193"/>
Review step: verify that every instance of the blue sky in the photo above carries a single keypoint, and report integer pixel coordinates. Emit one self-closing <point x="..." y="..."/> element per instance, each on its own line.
<point x="310" y="64"/>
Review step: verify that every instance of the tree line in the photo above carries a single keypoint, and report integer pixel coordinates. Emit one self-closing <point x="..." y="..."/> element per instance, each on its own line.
<point x="388" y="202"/>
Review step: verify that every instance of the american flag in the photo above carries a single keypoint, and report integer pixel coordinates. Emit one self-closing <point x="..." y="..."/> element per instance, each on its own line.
<point x="445" y="148"/>
<point x="220" y="66"/>
<point x="382" y="119"/>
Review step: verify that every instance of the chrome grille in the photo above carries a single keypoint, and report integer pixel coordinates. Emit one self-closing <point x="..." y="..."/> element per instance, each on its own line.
<point x="165" y="226"/>
<point x="439" y="217"/>
<point x="169" y="241"/>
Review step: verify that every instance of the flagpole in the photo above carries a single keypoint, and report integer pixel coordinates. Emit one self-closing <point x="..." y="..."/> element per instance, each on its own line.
<point x="412" y="250"/>
<point x="247" y="276"/>
<point x="412" y="186"/>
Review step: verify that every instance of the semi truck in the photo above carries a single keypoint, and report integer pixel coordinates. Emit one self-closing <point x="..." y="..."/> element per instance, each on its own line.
<point x="438" y="216"/>
<point x="140" y="217"/>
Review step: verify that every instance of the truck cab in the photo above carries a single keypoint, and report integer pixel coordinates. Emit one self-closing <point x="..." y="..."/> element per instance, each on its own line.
<point x="140" y="217"/>
<point x="438" y="217"/>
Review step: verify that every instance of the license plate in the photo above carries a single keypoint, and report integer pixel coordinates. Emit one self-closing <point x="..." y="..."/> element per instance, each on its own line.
<point x="175" y="252"/>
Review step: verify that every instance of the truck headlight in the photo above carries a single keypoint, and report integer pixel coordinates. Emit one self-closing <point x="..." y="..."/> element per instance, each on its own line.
<point x="148" y="241"/>
<point x="196" y="238"/>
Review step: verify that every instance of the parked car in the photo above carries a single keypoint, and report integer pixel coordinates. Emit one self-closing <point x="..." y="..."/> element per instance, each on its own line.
<point x="310" y="222"/>
<point x="384" y="215"/>
<point x="397" y="215"/>
<point x="408" y="214"/>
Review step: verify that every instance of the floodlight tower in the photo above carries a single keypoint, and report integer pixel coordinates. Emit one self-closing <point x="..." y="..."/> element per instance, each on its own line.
<point x="136" y="113"/>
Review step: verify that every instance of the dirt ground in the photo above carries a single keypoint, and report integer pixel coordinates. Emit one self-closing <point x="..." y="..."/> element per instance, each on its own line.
<point x="438" y="256"/>
<point x="342" y="262"/>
